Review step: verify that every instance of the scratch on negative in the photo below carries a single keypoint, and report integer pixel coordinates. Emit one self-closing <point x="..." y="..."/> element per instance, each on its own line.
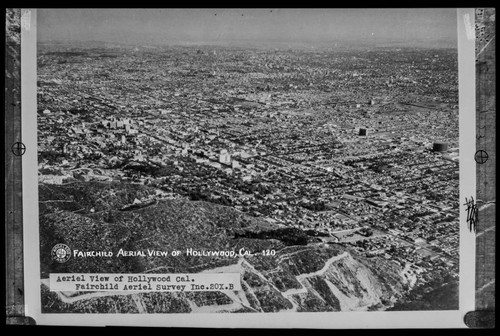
<point x="485" y="205"/>
<point x="482" y="49"/>
<point x="485" y="286"/>
<point x="479" y="234"/>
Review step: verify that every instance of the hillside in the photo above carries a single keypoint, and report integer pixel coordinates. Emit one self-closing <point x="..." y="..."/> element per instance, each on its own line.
<point x="303" y="275"/>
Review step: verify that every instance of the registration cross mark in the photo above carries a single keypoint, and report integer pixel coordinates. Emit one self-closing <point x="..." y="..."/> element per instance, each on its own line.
<point x="481" y="156"/>
<point x="18" y="148"/>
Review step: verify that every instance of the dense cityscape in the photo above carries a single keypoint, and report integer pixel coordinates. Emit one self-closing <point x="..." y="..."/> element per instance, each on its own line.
<point x="354" y="146"/>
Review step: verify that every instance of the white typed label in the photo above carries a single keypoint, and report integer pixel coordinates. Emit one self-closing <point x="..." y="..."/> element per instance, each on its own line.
<point x="173" y="282"/>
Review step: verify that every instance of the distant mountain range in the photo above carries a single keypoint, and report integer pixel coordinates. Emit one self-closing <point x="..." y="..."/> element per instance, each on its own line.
<point x="267" y="44"/>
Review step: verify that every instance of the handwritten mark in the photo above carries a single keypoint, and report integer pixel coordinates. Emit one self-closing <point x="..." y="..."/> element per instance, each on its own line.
<point x="481" y="156"/>
<point x="479" y="136"/>
<point x="472" y="214"/>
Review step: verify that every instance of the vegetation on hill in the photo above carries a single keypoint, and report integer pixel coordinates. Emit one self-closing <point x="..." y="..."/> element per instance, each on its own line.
<point x="297" y="276"/>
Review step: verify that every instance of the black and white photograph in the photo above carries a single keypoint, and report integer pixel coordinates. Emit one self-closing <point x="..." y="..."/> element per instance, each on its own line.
<point x="248" y="161"/>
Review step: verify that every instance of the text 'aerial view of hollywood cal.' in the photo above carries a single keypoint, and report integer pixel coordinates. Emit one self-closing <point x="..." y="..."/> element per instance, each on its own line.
<point x="314" y="152"/>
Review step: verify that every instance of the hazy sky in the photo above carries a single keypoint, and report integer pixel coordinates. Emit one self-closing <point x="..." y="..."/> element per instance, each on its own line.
<point x="220" y="25"/>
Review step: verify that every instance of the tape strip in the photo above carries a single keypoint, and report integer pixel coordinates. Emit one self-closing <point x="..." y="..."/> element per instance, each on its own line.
<point x="26" y="19"/>
<point x="469" y="29"/>
<point x="19" y="320"/>
<point x="480" y="319"/>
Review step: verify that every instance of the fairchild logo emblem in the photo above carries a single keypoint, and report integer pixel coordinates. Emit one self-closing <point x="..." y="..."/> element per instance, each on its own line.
<point x="61" y="253"/>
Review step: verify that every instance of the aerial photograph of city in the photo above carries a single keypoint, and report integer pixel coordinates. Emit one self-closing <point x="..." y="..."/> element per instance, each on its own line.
<point x="313" y="151"/>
